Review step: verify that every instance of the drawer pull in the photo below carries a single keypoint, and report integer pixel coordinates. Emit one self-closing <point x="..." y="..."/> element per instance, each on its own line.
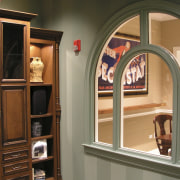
<point x="15" y="155"/>
<point x="17" y="167"/>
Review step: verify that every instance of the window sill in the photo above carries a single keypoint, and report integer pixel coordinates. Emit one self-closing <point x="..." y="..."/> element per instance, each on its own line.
<point x="139" y="160"/>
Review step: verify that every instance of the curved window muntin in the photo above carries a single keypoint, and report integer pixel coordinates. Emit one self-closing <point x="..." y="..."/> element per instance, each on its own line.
<point x="117" y="97"/>
<point x="172" y="63"/>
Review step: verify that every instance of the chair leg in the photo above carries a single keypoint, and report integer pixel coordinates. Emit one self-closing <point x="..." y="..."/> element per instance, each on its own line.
<point x="164" y="151"/>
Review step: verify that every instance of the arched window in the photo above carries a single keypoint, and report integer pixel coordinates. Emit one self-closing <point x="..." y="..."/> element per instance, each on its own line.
<point x="133" y="81"/>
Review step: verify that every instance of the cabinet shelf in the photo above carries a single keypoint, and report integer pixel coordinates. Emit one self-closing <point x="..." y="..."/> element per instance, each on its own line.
<point x="41" y="116"/>
<point x="39" y="84"/>
<point x="50" y="178"/>
<point x="35" y="161"/>
<point x="42" y="137"/>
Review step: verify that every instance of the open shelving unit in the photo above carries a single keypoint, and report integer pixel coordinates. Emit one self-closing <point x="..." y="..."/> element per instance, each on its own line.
<point x="44" y="43"/>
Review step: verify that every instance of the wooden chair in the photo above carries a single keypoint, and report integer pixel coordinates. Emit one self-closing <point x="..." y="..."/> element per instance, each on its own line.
<point x="163" y="131"/>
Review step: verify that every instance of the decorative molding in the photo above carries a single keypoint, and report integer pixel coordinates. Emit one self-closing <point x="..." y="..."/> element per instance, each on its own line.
<point x="135" y="159"/>
<point x="6" y="13"/>
<point x="46" y="34"/>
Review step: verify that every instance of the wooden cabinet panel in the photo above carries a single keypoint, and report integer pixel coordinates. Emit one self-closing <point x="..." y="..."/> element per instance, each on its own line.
<point x="14" y="123"/>
<point x="19" y="176"/>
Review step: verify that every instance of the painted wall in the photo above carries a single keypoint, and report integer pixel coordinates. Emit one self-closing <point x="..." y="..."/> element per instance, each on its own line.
<point x="79" y="20"/>
<point x="25" y="6"/>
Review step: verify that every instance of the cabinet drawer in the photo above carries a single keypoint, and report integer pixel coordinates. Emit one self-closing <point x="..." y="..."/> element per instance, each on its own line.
<point x="14" y="155"/>
<point x="26" y="177"/>
<point x="20" y="178"/>
<point x="15" y="167"/>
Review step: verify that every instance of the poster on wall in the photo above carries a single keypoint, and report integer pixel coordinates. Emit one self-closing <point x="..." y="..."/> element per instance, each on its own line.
<point x="135" y="76"/>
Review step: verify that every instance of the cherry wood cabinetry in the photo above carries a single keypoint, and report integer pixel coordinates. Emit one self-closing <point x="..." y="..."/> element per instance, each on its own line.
<point x="15" y="150"/>
<point x="45" y="44"/>
<point x="18" y="111"/>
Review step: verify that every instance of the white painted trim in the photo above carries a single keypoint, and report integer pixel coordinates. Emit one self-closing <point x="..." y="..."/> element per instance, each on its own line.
<point x="102" y="120"/>
<point x="149" y="113"/>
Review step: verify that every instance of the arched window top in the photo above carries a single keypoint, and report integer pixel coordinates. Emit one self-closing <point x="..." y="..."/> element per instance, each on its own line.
<point x="123" y="15"/>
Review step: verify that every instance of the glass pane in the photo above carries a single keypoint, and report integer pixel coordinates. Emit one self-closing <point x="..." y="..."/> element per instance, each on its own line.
<point x="140" y="129"/>
<point x="164" y="30"/>
<point x="13" y="49"/>
<point x="131" y="27"/>
<point x="123" y="39"/>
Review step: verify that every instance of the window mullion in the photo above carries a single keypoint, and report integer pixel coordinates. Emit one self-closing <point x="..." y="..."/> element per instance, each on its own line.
<point x="116" y="115"/>
<point x="144" y="27"/>
<point x="176" y="129"/>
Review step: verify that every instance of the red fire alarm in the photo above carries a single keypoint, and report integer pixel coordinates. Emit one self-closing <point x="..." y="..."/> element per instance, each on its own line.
<point x="77" y="45"/>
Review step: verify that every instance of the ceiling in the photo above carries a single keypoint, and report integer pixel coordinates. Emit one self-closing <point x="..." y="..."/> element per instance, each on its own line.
<point x="161" y="17"/>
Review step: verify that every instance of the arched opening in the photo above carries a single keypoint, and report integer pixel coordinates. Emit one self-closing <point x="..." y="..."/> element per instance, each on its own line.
<point x="139" y="131"/>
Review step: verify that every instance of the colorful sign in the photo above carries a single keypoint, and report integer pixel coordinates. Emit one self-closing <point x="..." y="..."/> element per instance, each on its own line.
<point x="135" y="77"/>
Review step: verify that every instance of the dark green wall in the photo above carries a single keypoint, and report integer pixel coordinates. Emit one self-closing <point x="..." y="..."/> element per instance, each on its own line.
<point x="30" y="6"/>
<point x="79" y="19"/>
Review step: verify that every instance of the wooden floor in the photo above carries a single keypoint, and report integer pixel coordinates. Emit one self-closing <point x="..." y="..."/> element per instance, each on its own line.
<point x="138" y="133"/>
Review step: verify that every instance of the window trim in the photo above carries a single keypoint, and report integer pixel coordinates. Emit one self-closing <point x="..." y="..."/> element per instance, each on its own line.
<point x="140" y="160"/>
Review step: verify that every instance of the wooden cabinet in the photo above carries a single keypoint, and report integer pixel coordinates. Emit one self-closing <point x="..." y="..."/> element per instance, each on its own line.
<point x="15" y="143"/>
<point x="45" y="44"/>
<point x="29" y="111"/>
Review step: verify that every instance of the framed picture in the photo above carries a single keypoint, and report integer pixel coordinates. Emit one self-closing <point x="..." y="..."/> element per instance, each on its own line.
<point x="135" y="76"/>
<point x="39" y="149"/>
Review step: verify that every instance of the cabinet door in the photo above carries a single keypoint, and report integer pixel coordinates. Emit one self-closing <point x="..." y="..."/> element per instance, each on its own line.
<point x="21" y="176"/>
<point x="14" y="120"/>
<point x="13" y="51"/>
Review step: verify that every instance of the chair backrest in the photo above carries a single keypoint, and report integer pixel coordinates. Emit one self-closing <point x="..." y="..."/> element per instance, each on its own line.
<point x="161" y="120"/>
